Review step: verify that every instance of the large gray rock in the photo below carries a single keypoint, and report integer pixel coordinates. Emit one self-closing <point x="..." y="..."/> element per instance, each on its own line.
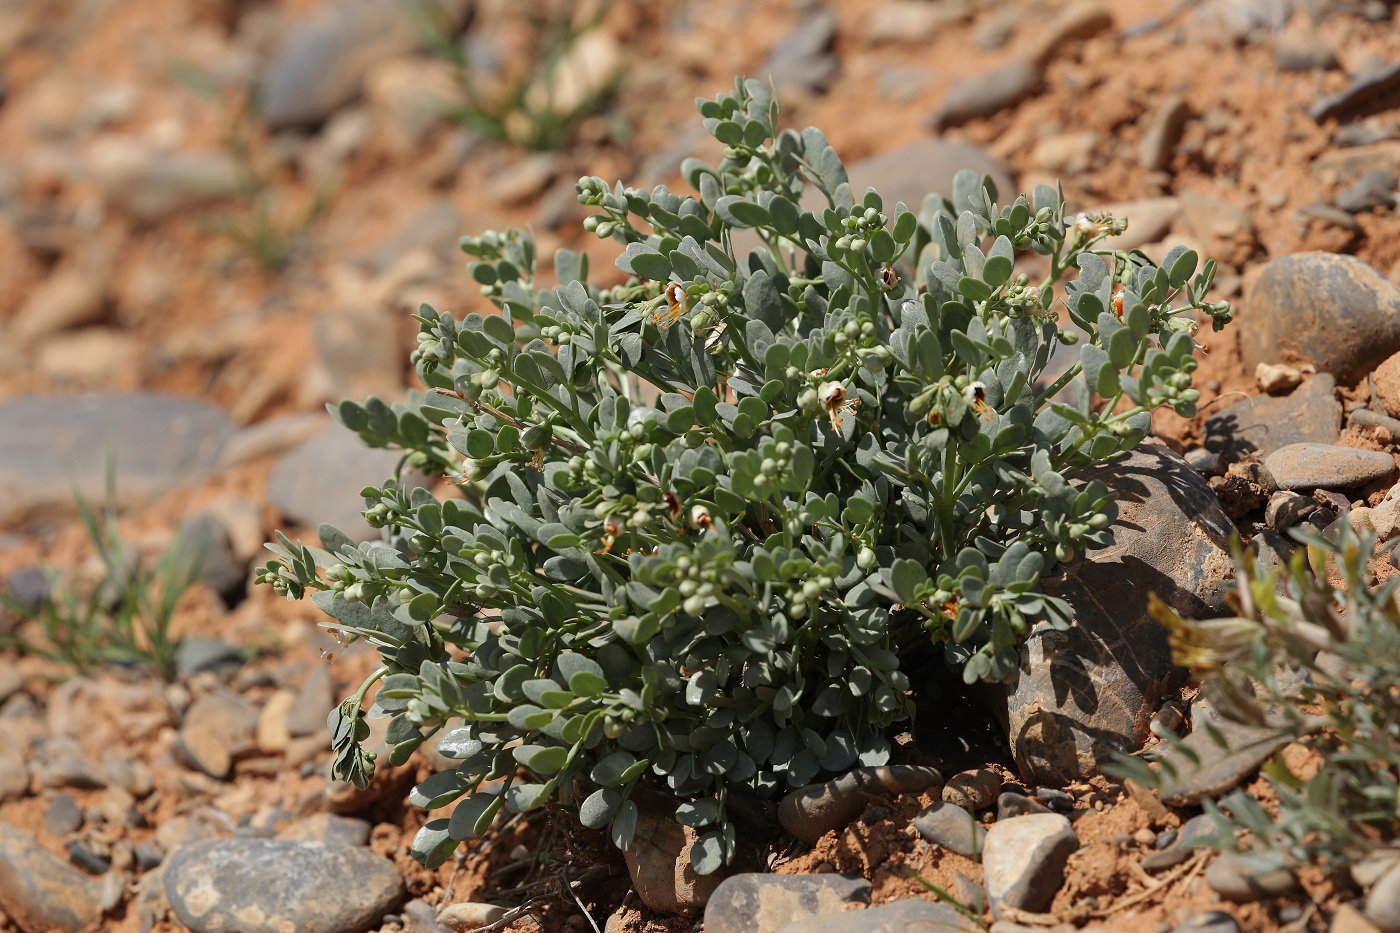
<point x="1327" y="466"/>
<point x="909" y="173"/>
<point x="754" y="902"/>
<point x="1312" y="414"/>
<point x="50" y="444"/>
<point x="1333" y="311"/>
<point x="1024" y="861"/>
<point x="322" y="61"/>
<point x="39" y="892"/>
<point x="320" y="480"/>
<point x="1217" y="756"/>
<point x="242" y="885"/>
<point x="1088" y="692"/>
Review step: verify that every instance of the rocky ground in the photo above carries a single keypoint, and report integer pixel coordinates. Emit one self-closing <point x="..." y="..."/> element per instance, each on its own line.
<point x="184" y="282"/>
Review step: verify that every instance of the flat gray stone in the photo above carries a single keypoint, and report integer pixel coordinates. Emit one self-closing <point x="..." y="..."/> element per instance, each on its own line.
<point x="813" y="811"/>
<point x="1236" y="880"/>
<point x="988" y="93"/>
<point x="1372" y="92"/>
<point x="913" y="915"/>
<point x="925" y="167"/>
<point x="1192" y="832"/>
<point x="1330" y="310"/>
<point x="1088" y="692"/>
<point x="1326" y="466"/>
<point x="320" y="480"/>
<point x="1311" y="414"/>
<point x="1024" y="860"/>
<point x="1217" y="756"/>
<point x="322" y="60"/>
<point x="51" y="443"/>
<point x="754" y="902"/>
<point x="274" y="886"/>
<point x="41" y="893"/>
<point x="953" y="828"/>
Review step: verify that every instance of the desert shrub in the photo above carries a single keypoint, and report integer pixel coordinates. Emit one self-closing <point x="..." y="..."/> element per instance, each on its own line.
<point x="710" y="514"/>
<point x="1318" y="662"/>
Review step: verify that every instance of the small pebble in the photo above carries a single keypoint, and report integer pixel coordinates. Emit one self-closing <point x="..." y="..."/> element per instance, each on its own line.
<point x="1165" y="838"/>
<point x="1055" y="799"/>
<point x="63" y="816"/>
<point x="88" y="860"/>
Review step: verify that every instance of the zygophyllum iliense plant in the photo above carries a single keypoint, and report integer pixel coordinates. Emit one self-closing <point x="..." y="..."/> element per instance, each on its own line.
<point x="697" y="506"/>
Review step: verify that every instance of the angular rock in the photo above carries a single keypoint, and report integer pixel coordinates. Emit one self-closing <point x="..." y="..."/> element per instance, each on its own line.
<point x="40" y="893"/>
<point x="321" y="62"/>
<point x="207" y="543"/>
<point x="1162" y="134"/>
<point x="204" y="752"/>
<point x="1301" y="48"/>
<point x="320" y="480"/>
<point x="467" y="915"/>
<point x="63" y="816"/>
<point x="1012" y="804"/>
<point x="1211" y="761"/>
<point x="1236" y="880"/>
<point x="1333" y="311"/>
<point x="195" y="654"/>
<point x="813" y="811"/>
<point x="1024" y="860"/>
<point x="753" y="902"/>
<point x="328" y="828"/>
<point x="953" y="828"/>
<point x="912" y="915"/>
<point x="1287" y="508"/>
<point x="1327" y="466"/>
<point x="273" y="886"/>
<point x="802" y="61"/>
<point x="1088" y="692"/>
<point x="660" y="864"/>
<point x="1274" y="380"/>
<point x="52" y="443"/>
<point x="911" y="172"/>
<point x="988" y="93"/>
<point x="1263" y="424"/>
<point x="1376" y="188"/>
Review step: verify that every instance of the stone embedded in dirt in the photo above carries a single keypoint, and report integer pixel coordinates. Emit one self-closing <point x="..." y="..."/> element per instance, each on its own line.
<point x="320" y="480"/>
<point x="813" y="811"/>
<point x="148" y="856"/>
<point x="39" y="892"/>
<point x="953" y="828"/>
<point x="273" y="733"/>
<point x="313" y="702"/>
<point x="1159" y="139"/>
<point x="14" y="773"/>
<point x="753" y="901"/>
<point x="1383" y="902"/>
<point x="1385" y="382"/>
<point x="205" y="752"/>
<point x="1208" y="921"/>
<point x="70" y="770"/>
<point x="150" y="185"/>
<point x="53" y="443"/>
<point x="194" y="654"/>
<point x="976" y="789"/>
<point x="1024" y="860"/>
<point x="1310" y="415"/>
<point x="1373" y="866"/>
<point x="273" y="435"/>
<point x="1088" y="692"/>
<point x="1182" y="846"/>
<point x="69" y="298"/>
<point x="1347" y="919"/>
<point x="274" y="886"/>
<point x="468" y="915"/>
<point x="1373" y="92"/>
<point x="659" y="862"/>
<point x="1327" y="466"/>
<point x="910" y="172"/>
<point x="912" y="915"/>
<point x="988" y="93"/>
<point x="328" y="828"/>
<point x="802" y="60"/>
<point x="1234" y="879"/>
<point x="1365" y="418"/>
<point x="1376" y="188"/>
<point x="63" y="816"/>
<point x="1287" y="508"/>
<point x="1332" y="311"/>
<point x="1082" y="20"/>
<point x="1011" y="804"/>
<point x="1149" y="220"/>
<point x="1385" y="517"/>
<point x="1275" y="379"/>
<point x="1209" y="762"/>
<point x="912" y="20"/>
<point x="322" y="60"/>
<point x="93" y="862"/>
<point x="1300" y="47"/>
<point x="127" y="773"/>
<point x="1225" y="230"/>
<point x="357" y="347"/>
<point x="205" y="539"/>
<point x="1205" y="462"/>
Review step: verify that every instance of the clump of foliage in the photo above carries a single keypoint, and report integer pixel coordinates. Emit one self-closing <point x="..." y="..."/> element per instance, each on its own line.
<point x="522" y="106"/>
<point x="717" y="518"/>
<point x="1319" y="664"/>
<point x="124" y="617"/>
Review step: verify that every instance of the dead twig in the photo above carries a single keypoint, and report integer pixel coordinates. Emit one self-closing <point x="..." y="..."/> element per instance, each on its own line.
<point x="1165" y="881"/>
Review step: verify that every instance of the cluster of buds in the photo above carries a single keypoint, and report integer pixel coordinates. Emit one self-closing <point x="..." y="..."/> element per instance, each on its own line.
<point x="1087" y="226"/>
<point x="859" y="226"/>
